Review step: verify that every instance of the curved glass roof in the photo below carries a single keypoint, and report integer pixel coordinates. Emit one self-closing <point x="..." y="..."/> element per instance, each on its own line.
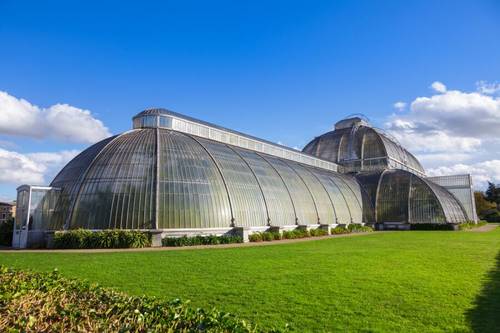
<point x="404" y="197"/>
<point x="163" y="118"/>
<point x="152" y="178"/>
<point x="359" y="147"/>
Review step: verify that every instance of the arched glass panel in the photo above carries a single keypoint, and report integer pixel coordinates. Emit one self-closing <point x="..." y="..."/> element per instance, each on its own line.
<point x="321" y="198"/>
<point x="118" y="188"/>
<point x="69" y="181"/>
<point x="351" y="191"/>
<point x="453" y="211"/>
<point x="248" y="204"/>
<point x="302" y="199"/>
<point x="191" y="190"/>
<point x="342" y="211"/>
<point x="424" y="206"/>
<point x="392" y="200"/>
<point x="277" y="198"/>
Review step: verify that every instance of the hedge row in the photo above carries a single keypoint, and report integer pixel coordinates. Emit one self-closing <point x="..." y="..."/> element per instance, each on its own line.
<point x="201" y="240"/>
<point x="446" y="226"/>
<point x="351" y="228"/>
<point x="6" y="230"/>
<point x="104" y="239"/>
<point x="302" y="233"/>
<point x="432" y="226"/>
<point x="47" y="302"/>
<point x="265" y="236"/>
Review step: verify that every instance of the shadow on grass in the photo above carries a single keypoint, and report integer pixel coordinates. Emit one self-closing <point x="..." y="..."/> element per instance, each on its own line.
<point x="485" y="316"/>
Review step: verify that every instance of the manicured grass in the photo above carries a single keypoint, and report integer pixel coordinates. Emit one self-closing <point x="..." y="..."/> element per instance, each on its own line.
<point x="417" y="281"/>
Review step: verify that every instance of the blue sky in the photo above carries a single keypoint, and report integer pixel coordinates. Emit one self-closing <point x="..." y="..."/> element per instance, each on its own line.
<point x="281" y="70"/>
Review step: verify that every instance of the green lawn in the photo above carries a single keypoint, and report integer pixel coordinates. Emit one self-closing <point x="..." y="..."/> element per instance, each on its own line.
<point x="382" y="282"/>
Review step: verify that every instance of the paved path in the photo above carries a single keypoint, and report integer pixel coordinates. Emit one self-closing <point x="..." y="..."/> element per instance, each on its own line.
<point x="485" y="228"/>
<point x="196" y="247"/>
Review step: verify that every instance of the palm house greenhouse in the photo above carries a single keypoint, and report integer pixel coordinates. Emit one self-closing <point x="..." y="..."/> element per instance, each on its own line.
<point x="174" y="175"/>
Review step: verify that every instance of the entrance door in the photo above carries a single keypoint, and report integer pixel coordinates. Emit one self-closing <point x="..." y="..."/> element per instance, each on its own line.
<point x="23" y="237"/>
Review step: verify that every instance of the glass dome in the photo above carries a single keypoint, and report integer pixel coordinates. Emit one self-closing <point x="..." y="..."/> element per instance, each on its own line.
<point x="357" y="146"/>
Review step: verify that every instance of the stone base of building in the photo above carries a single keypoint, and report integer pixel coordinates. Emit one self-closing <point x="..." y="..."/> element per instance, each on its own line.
<point x="45" y="239"/>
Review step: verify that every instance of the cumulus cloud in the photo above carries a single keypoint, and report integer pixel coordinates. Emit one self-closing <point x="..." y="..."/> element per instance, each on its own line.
<point x="400" y="106"/>
<point x="438" y="87"/>
<point x="453" y="131"/>
<point x="60" y="121"/>
<point x="482" y="172"/>
<point x="488" y="88"/>
<point x="35" y="168"/>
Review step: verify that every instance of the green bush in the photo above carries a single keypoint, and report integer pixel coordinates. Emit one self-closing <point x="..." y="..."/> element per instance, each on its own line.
<point x="353" y="227"/>
<point x="296" y="233"/>
<point x="493" y="216"/>
<point x="6" y="230"/>
<point x="276" y="235"/>
<point x="340" y="230"/>
<point x="104" y="239"/>
<point x="201" y="240"/>
<point x="226" y="239"/>
<point x="318" y="232"/>
<point x="47" y="302"/>
<point x="432" y="226"/>
<point x="255" y="237"/>
<point x="471" y="225"/>
<point x="267" y="236"/>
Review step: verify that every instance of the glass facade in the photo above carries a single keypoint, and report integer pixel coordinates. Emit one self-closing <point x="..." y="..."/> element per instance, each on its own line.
<point x="158" y="178"/>
<point x="171" y="172"/>
<point x="362" y="149"/>
<point x="117" y="189"/>
<point x="461" y="187"/>
<point x="191" y="189"/>
<point x="403" y="197"/>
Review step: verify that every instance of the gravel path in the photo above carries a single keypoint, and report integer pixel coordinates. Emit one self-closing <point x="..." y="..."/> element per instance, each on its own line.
<point x="485" y="228"/>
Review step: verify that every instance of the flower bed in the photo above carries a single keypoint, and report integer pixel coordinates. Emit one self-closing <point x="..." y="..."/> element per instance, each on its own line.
<point x="201" y="240"/>
<point x="104" y="239"/>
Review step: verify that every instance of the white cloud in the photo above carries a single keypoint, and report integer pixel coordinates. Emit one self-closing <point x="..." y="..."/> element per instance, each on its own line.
<point x="8" y="144"/>
<point x="35" y="168"/>
<point x="59" y="121"/>
<point x="438" y="87"/>
<point x="488" y="88"/>
<point x="481" y="172"/>
<point x="453" y="131"/>
<point x="400" y="106"/>
<point x="440" y="158"/>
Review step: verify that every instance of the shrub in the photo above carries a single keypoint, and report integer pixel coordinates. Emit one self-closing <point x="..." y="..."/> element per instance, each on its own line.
<point x="432" y="226"/>
<point x="493" y="216"/>
<point x="104" y="239"/>
<point x="276" y="235"/>
<point x="255" y="237"/>
<point x="6" y="230"/>
<point x="296" y="233"/>
<point x="43" y="302"/>
<point x="267" y="236"/>
<point x="201" y="240"/>
<point x="359" y="228"/>
<point x="471" y="225"/>
<point x="226" y="239"/>
<point x="340" y="230"/>
<point x="318" y="232"/>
